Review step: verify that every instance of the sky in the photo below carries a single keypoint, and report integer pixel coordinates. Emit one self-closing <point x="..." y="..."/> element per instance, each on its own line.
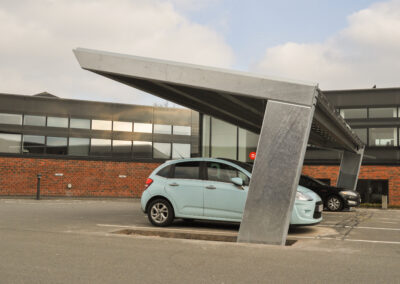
<point x="336" y="44"/>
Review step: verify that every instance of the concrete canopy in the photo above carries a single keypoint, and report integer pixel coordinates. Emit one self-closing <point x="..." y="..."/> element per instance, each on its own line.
<point x="288" y="115"/>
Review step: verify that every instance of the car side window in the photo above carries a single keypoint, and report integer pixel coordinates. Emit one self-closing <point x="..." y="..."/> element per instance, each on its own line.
<point x="164" y="172"/>
<point x="187" y="170"/>
<point x="224" y="173"/>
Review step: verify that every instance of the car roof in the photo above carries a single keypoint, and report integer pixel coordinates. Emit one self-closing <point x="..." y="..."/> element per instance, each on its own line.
<point x="204" y="159"/>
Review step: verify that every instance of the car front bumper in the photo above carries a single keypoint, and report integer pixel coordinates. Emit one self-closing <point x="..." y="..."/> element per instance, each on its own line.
<point x="307" y="213"/>
<point x="351" y="201"/>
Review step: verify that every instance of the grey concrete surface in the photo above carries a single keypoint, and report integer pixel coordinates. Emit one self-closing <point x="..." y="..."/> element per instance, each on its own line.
<point x="69" y="241"/>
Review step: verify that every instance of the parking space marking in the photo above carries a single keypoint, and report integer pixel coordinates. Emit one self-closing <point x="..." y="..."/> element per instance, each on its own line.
<point x="371" y="228"/>
<point x="349" y="240"/>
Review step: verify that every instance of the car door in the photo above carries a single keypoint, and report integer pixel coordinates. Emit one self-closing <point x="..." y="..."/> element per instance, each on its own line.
<point x="186" y="189"/>
<point x="223" y="199"/>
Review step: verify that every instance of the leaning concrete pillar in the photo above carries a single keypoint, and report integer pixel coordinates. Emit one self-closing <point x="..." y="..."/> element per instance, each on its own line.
<point x="349" y="169"/>
<point x="280" y="154"/>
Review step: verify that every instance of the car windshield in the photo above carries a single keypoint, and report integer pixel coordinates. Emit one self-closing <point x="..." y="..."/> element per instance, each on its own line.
<point x="247" y="166"/>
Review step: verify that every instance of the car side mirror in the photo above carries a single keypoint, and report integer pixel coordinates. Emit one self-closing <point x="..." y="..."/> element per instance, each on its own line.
<point x="237" y="181"/>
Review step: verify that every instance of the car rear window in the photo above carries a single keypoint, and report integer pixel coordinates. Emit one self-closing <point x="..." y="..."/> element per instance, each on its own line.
<point x="164" y="172"/>
<point x="187" y="170"/>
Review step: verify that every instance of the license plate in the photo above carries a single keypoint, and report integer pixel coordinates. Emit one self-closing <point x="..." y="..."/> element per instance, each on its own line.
<point x="320" y="208"/>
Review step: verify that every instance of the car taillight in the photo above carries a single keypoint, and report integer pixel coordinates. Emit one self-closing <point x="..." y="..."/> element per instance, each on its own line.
<point x="148" y="182"/>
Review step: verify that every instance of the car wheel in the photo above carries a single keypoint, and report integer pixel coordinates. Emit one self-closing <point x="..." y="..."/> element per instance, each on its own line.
<point x="334" y="203"/>
<point x="160" y="213"/>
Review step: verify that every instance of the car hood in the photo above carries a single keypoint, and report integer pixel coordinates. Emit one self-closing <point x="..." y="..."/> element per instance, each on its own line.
<point x="309" y="192"/>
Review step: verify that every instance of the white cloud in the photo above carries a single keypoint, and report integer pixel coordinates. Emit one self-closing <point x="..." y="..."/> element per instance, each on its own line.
<point x="38" y="38"/>
<point x="365" y="53"/>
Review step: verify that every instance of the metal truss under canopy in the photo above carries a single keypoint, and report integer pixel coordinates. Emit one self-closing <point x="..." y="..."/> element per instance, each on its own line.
<point x="287" y="115"/>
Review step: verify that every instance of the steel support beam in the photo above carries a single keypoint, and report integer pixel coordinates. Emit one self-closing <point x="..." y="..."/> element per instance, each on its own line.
<point x="280" y="154"/>
<point x="349" y="169"/>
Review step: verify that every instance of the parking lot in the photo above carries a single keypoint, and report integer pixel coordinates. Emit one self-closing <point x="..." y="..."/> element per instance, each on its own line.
<point x="67" y="240"/>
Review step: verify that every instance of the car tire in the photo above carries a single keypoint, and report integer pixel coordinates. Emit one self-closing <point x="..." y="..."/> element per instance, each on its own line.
<point x="334" y="203"/>
<point x="160" y="213"/>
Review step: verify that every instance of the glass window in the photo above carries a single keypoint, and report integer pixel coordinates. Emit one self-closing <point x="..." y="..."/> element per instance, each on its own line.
<point x="9" y="118"/>
<point x="223" y="139"/>
<point x="101" y="124"/>
<point x="100" y="147"/>
<point x="187" y="170"/>
<point x="10" y="143"/>
<point x="142" y="149"/>
<point x="361" y="133"/>
<point x="78" y="146"/>
<point x="122" y="148"/>
<point x="79" y="123"/>
<point x="57" y="121"/>
<point x="247" y="143"/>
<point x="34" y="120"/>
<point x="162" y="150"/>
<point x="224" y="173"/>
<point x="143" y="127"/>
<point x="33" y="144"/>
<point x="206" y="136"/>
<point x="182" y="130"/>
<point x="122" y="126"/>
<point x="180" y="151"/>
<point x="162" y="129"/>
<point x="383" y="136"/>
<point x="382" y="112"/>
<point x="353" y="113"/>
<point x="56" y="146"/>
<point x="164" y="172"/>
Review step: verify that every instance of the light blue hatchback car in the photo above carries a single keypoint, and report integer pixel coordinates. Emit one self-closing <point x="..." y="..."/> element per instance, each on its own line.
<point x="211" y="189"/>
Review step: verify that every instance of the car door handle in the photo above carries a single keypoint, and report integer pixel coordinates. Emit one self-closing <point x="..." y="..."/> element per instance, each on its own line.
<point x="211" y="187"/>
<point x="173" y="184"/>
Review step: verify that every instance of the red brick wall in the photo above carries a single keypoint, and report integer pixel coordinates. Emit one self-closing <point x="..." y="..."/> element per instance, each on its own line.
<point x="391" y="173"/>
<point x="88" y="178"/>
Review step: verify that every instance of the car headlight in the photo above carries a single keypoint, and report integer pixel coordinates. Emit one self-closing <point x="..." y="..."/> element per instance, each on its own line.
<point x="303" y="196"/>
<point x="349" y="193"/>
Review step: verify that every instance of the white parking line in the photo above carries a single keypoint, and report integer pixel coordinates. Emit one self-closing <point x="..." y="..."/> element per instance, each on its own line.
<point x="349" y="240"/>
<point x="370" y="228"/>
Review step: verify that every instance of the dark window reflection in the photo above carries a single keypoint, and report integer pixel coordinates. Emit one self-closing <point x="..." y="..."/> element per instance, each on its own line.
<point x="224" y="173"/>
<point x="142" y="150"/>
<point x="188" y="170"/>
<point x="78" y="146"/>
<point x="100" y="147"/>
<point x="33" y="144"/>
<point x="56" y="146"/>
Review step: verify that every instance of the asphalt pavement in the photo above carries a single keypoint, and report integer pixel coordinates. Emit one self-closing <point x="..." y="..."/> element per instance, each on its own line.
<point x="72" y="241"/>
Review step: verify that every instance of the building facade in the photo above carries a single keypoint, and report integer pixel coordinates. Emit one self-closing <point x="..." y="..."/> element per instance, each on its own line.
<point x="84" y="148"/>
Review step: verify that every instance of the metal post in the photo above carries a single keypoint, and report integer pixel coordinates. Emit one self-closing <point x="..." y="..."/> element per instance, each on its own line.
<point x="39" y="176"/>
<point x="349" y="169"/>
<point x="278" y="164"/>
<point x="384" y="202"/>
